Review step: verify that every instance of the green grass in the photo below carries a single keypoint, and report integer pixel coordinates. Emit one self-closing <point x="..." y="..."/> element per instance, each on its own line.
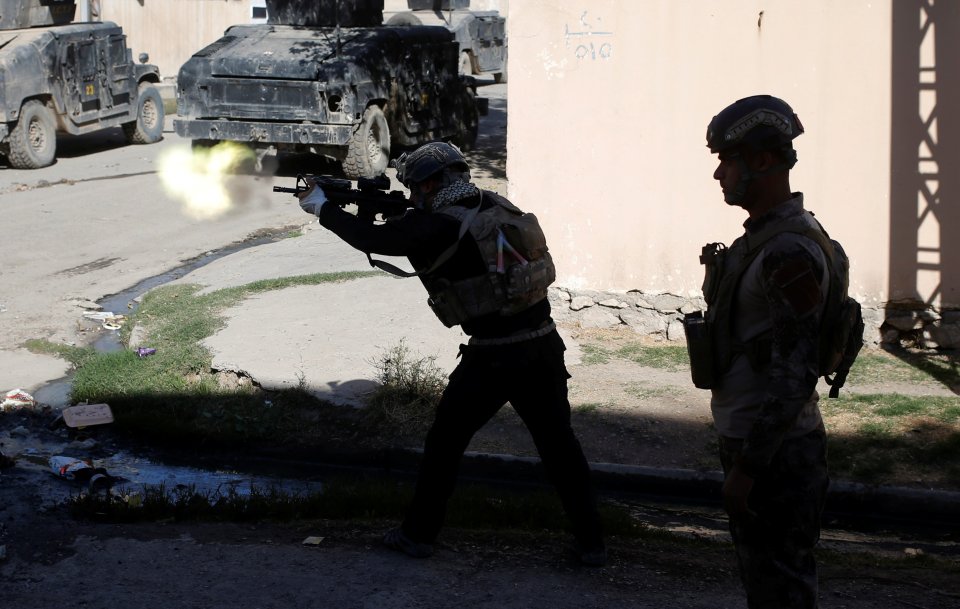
<point x="172" y="396"/>
<point x="177" y="318"/>
<point x="668" y="357"/>
<point x="588" y="408"/>
<point x="77" y="356"/>
<point x="945" y="409"/>
<point x="875" y="436"/>
<point x="906" y="366"/>
<point x="645" y="392"/>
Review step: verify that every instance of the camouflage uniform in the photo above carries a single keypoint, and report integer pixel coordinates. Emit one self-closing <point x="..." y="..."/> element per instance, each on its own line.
<point x="765" y="410"/>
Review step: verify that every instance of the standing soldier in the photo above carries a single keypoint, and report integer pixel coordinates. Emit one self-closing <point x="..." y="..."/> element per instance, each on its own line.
<point x="486" y="268"/>
<point x="766" y="296"/>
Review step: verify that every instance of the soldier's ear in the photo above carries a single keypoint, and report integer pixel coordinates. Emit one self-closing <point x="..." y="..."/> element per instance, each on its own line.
<point x="761" y="160"/>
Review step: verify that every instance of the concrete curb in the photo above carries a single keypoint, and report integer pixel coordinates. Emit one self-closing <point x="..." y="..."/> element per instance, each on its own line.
<point x="704" y="487"/>
<point x="844" y="499"/>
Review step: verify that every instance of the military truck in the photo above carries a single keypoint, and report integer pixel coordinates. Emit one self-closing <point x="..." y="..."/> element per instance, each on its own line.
<point x="482" y="35"/>
<point x="59" y="76"/>
<point x="327" y="77"/>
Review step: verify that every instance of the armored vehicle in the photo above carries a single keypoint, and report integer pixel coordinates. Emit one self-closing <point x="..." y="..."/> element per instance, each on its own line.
<point x="327" y="77"/>
<point x="59" y="76"/>
<point x="482" y="35"/>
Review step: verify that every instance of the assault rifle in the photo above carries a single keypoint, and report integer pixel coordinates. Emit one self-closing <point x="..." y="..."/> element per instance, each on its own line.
<point x="370" y="196"/>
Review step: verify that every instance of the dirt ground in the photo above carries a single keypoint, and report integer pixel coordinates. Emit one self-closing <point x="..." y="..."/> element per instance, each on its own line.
<point x="624" y="413"/>
<point x="631" y="414"/>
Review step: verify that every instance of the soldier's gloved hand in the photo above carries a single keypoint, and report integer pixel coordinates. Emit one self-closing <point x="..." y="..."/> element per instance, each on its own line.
<point x="312" y="200"/>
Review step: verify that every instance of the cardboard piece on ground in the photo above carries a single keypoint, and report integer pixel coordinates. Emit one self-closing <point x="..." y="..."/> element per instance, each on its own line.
<point x="83" y="415"/>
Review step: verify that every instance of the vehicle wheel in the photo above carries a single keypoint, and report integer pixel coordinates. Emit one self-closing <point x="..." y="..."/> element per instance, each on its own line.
<point x="33" y="140"/>
<point x="369" y="148"/>
<point x="148" y="128"/>
<point x="404" y="19"/>
<point x="466" y="64"/>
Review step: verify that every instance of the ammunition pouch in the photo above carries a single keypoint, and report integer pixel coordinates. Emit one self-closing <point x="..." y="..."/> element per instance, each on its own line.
<point x="712" y="257"/>
<point x="526" y="284"/>
<point x="700" y="350"/>
<point x="456" y="302"/>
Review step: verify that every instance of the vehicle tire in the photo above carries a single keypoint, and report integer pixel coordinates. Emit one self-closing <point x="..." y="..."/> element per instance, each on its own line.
<point x="368" y="151"/>
<point x="148" y="128"/>
<point x="33" y="140"/>
<point x="404" y="19"/>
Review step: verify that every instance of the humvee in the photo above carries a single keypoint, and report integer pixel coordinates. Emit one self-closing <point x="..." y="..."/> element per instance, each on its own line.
<point x="482" y="35"/>
<point x="60" y="76"/>
<point x="327" y="77"/>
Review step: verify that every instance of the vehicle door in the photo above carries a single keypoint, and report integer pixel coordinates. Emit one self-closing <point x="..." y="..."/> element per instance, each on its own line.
<point x="97" y="78"/>
<point x="120" y="88"/>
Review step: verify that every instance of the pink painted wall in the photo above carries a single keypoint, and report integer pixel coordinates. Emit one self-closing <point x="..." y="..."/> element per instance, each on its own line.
<point x="609" y="103"/>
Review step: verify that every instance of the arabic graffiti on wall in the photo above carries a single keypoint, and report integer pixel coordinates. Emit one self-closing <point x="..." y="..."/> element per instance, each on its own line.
<point x="588" y="40"/>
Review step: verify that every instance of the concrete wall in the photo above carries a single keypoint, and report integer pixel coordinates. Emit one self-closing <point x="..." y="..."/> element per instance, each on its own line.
<point x="609" y="103"/>
<point x="170" y="31"/>
<point x="623" y="92"/>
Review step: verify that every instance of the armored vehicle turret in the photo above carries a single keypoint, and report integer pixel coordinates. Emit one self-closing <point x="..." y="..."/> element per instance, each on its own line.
<point x="327" y="77"/>
<point x="59" y="76"/>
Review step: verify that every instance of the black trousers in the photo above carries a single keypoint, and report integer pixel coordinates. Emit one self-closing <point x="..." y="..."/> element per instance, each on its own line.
<point x="775" y="548"/>
<point x="532" y="376"/>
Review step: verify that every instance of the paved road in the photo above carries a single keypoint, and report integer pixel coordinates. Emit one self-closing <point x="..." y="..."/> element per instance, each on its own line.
<point x="100" y="221"/>
<point x="95" y="224"/>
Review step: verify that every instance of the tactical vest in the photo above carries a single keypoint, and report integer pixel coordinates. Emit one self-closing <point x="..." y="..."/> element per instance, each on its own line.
<point x="710" y="341"/>
<point x="514" y="251"/>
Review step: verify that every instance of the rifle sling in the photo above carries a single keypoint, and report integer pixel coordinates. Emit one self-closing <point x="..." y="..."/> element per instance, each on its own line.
<point x="443" y="257"/>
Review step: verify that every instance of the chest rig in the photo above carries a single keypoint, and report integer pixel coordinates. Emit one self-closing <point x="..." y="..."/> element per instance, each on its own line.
<point x="519" y="268"/>
<point x="710" y="341"/>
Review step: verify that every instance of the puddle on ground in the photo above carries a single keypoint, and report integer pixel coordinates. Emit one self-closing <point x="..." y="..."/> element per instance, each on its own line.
<point x="136" y="473"/>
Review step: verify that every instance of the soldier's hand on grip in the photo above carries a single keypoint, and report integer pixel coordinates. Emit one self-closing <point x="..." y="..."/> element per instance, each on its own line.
<point x="312" y="199"/>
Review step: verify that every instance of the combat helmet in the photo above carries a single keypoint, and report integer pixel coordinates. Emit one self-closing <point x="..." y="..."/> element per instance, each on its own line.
<point x="427" y="160"/>
<point x="763" y="122"/>
<point x="759" y="122"/>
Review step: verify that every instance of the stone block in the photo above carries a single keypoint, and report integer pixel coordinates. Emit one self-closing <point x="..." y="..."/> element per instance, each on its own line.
<point x="644" y="321"/>
<point x="578" y="303"/>
<point x="596" y="317"/>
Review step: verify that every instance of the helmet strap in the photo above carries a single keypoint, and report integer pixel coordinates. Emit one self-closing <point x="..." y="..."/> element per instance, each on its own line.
<point x="735" y="197"/>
